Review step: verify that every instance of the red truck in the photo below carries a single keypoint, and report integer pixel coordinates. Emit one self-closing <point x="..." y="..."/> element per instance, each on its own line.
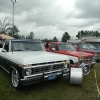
<point x="79" y="59"/>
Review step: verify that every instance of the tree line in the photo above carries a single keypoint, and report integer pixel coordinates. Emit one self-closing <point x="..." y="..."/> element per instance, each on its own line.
<point x="87" y="33"/>
<point x="7" y="28"/>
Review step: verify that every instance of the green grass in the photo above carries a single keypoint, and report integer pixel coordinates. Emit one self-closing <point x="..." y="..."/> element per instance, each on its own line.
<point x="52" y="90"/>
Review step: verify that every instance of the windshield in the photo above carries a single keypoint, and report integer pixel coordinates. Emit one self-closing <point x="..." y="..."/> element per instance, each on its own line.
<point x="66" y="47"/>
<point x="84" y="46"/>
<point x="91" y="47"/>
<point x="28" y="46"/>
<point x="96" y="45"/>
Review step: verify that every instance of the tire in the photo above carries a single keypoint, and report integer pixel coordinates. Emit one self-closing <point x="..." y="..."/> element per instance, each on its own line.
<point x="15" y="79"/>
<point x="86" y="70"/>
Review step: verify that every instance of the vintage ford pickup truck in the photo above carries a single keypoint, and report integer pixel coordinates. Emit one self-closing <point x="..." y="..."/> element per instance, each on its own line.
<point x="27" y="62"/>
<point x="85" y="60"/>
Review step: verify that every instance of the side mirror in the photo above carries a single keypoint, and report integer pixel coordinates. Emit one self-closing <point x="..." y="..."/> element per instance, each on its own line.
<point x="53" y="49"/>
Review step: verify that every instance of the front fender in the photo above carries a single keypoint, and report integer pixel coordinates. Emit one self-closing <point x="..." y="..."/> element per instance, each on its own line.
<point x="74" y="59"/>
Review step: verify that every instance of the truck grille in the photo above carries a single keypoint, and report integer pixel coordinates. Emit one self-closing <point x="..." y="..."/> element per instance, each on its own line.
<point x="97" y="56"/>
<point x="88" y="59"/>
<point x="47" y="67"/>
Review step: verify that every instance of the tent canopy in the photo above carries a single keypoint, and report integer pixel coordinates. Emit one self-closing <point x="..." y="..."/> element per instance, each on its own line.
<point x="3" y="36"/>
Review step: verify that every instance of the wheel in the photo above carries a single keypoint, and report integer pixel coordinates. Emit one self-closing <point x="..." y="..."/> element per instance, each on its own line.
<point x="15" y="79"/>
<point x="86" y="70"/>
<point x="76" y="76"/>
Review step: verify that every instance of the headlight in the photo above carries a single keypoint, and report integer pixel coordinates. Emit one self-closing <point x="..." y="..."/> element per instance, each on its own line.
<point x="28" y="71"/>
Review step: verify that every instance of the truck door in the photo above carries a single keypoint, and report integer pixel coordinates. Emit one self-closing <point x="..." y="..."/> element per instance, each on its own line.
<point x="54" y="48"/>
<point x="4" y="55"/>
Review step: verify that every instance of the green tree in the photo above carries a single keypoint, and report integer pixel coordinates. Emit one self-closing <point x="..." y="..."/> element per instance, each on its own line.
<point x="22" y="37"/>
<point x="46" y="40"/>
<point x="65" y="37"/>
<point x="78" y="35"/>
<point x="88" y="33"/>
<point x="10" y="32"/>
<point x="31" y="35"/>
<point x="55" y="39"/>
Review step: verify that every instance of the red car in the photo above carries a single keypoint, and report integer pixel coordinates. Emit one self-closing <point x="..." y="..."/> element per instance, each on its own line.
<point x="85" y="60"/>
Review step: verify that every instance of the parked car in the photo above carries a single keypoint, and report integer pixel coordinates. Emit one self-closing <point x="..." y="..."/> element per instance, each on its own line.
<point x="85" y="60"/>
<point x="84" y="48"/>
<point x="27" y="63"/>
<point x="97" y="46"/>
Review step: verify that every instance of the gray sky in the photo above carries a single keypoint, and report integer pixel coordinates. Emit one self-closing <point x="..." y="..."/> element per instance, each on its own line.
<point x="49" y="18"/>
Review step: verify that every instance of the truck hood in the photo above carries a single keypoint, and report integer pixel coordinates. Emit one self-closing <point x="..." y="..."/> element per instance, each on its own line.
<point x="32" y="57"/>
<point x="93" y="51"/>
<point x="78" y="54"/>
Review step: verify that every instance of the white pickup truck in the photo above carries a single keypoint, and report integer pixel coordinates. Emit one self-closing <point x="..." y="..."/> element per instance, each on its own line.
<point x="27" y="62"/>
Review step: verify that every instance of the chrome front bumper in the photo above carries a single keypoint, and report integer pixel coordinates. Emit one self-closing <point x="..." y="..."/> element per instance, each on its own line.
<point x="43" y="76"/>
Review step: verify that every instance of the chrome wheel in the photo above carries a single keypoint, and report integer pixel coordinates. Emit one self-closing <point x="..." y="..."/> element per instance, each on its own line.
<point x="15" y="78"/>
<point x="86" y="70"/>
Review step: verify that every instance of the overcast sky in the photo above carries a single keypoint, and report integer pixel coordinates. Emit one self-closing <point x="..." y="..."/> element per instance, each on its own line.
<point x="49" y="18"/>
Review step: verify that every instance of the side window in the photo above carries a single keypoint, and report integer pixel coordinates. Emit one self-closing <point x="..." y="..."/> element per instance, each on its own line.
<point x="6" y="47"/>
<point x="54" y="46"/>
<point x="80" y="46"/>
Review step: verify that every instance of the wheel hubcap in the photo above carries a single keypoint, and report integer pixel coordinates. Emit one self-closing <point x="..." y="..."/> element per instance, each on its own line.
<point x="86" y="70"/>
<point x="15" y="78"/>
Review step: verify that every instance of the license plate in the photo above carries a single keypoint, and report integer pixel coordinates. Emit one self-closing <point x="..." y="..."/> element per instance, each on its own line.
<point x="52" y="77"/>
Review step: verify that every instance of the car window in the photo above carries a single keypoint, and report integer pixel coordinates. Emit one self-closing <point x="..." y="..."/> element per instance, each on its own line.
<point x="64" y="46"/>
<point x="54" y="46"/>
<point x="84" y="46"/>
<point x="91" y="47"/>
<point x="6" y="46"/>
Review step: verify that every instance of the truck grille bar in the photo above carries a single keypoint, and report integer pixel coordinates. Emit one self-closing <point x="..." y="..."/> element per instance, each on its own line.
<point x="46" y="67"/>
<point x="88" y="59"/>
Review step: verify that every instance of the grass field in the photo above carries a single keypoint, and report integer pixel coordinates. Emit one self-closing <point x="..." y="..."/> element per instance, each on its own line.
<point x="52" y="90"/>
